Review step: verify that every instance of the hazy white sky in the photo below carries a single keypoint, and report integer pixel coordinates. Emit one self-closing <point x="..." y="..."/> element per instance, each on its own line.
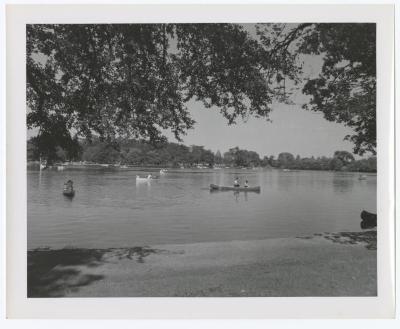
<point x="292" y="130"/>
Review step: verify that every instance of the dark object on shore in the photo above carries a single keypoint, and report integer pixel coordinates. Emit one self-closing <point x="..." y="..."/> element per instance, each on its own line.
<point x="369" y="220"/>
<point x="214" y="187"/>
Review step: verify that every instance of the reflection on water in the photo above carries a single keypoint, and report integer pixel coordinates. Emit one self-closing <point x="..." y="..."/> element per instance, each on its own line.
<point x="241" y="196"/>
<point x="343" y="182"/>
<point x="113" y="209"/>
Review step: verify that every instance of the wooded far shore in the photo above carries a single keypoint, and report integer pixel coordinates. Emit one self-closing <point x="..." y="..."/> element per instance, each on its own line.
<point x="173" y="155"/>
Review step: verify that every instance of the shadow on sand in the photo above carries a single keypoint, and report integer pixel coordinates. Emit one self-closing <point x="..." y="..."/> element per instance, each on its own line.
<point x="366" y="238"/>
<point x="54" y="273"/>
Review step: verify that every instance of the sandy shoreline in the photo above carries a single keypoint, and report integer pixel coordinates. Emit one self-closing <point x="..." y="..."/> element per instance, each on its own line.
<point x="328" y="264"/>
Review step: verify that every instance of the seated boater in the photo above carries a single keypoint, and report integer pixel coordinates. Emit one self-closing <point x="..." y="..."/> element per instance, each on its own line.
<point x="68" y="185"/>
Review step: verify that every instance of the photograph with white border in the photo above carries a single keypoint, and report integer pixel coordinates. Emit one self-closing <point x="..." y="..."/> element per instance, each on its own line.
<point x="196" y="152"/>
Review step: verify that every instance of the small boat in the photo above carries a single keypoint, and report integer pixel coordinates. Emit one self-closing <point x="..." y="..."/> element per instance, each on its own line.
<point x="163" y="171"/>
<point x="68" y="189"/>
<point x="369" y="220"/>
<point x="214" y="187"/>
<point x="69" y="192"/>
<point x="60" y="167"/>
<point x="362" y="177"/>
<point x="42" y="164"/>
<point x="143" y="179"/>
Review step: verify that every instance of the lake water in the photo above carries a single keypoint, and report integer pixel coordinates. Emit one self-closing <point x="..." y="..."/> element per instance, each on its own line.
<point x="111" y="210"/>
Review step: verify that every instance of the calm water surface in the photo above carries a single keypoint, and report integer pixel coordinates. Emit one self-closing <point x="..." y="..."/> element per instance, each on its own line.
<point x="111" y="210"/>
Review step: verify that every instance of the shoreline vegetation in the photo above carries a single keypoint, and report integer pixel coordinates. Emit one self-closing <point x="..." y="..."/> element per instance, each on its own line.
<point x="132" y="153"/>
<point x="323" y="264"/>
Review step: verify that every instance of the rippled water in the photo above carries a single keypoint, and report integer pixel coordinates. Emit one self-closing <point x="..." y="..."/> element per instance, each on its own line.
<point x="111" y="210"/>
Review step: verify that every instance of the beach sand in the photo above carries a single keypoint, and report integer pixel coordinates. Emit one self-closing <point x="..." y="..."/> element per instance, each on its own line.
<point x="338" y="264"/>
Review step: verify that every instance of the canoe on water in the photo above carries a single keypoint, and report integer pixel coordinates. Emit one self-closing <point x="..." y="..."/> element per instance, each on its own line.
<point x="142" y="179"/>
<point x="214" y="187"/>
<point x="145" y="179"/>
<point x="69" y="192"/>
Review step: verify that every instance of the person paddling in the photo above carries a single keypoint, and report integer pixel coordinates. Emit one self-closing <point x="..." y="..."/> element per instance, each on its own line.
<point x="69" y="185"/>
<point x="69" y="189"/>
<point x="236" y="182"/>
<point x="246" y="184"/>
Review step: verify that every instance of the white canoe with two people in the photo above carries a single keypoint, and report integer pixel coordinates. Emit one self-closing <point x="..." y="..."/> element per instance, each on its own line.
<point x="143" y="179"/>
<point x="146" y="179"/>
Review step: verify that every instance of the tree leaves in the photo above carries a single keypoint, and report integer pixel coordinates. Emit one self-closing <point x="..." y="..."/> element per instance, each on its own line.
<point x="345" y="91"/>
<point x="134" y="80"/>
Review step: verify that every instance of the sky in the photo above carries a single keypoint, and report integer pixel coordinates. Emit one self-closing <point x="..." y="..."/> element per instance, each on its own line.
<point x="292" y="129"/>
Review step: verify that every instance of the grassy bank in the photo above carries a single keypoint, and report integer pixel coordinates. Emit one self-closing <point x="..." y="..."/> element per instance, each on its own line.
<point x="337" y="264"/>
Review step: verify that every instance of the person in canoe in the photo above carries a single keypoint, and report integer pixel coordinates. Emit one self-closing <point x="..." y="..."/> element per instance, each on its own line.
<point x="246" y="184"/>
<point x="69" y="185"/>
<point x="69" y="188"/>
<point x="236" y="182"/>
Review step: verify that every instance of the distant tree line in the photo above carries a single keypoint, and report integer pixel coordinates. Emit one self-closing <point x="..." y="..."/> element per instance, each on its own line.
<point x="341" y="161"/>
<point x="143" y="153"/>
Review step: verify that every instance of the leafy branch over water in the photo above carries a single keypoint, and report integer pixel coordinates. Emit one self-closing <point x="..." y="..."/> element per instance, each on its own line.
<point x="134" y="81"/>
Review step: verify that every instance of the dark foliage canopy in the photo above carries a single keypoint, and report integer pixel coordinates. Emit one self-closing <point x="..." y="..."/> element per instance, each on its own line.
<point x="345" y="91"/>
<point x="134" y="81"/>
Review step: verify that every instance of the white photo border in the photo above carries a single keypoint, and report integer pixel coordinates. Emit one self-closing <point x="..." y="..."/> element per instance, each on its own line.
<point x="19" y="306"/>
